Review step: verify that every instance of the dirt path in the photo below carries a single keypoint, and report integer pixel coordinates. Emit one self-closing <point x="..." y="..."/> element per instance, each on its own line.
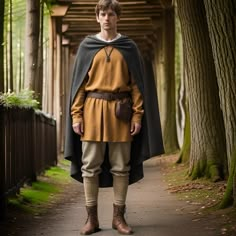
<point x="151" y="211"/>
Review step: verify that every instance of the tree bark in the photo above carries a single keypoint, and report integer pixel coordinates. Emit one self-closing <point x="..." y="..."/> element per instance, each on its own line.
<point x="221" y="22"/>
<point x="10" y="51"/>
<point x="168" y="97"/>
<point x="181" y="88"/>
<point x="20" y="87"/>
<point x="6" y="66"/>
<point x="52" y="64"/>
<point x="39" y="81"/>
<point x="185" y="150"/>
<point x="32" y="43"/>
<point x="2" y="7"/>
<point x="158" y="70"/>
<point x="207" y="153"/>
<point x="57" y="86"/>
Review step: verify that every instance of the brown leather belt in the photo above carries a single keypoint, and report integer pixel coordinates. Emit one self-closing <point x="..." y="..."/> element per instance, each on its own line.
<point x="108" y="96"/>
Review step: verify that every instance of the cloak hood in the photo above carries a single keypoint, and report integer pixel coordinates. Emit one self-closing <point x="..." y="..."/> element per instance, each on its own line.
<point x="148" y="142"/>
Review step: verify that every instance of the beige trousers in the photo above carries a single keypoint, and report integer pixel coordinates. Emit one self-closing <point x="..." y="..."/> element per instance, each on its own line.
<point x="92" y="158"/>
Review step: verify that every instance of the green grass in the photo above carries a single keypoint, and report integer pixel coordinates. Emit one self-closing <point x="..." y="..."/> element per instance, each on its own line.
<point x="35" y="198"/>
<point x="64" y="162"/>
<point x="57" y="173"/>
<point x="31" y="198"/>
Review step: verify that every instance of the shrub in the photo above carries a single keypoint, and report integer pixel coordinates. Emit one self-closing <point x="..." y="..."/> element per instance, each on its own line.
<point x="23" y="99"/>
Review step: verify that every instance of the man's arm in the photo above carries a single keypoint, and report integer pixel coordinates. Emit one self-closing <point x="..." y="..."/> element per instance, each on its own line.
<point x="77" y="111"/>
<point x="137" y="108"/>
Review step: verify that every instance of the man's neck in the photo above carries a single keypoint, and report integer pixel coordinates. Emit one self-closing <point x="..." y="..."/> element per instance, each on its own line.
<point x="108" y="36"/>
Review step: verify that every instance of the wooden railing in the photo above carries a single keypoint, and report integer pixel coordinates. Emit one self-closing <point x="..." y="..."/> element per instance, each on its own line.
<point x="27" y="147"/>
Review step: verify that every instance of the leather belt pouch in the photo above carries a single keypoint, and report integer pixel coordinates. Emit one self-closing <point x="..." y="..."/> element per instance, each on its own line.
<point x="124" y="109"/>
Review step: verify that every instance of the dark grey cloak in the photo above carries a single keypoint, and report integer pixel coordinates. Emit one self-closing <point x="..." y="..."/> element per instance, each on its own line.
<point x="148" y="142"/>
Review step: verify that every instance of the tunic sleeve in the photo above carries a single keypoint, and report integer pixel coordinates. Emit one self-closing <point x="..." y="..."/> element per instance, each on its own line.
<point x="78" y="105"/>
<point x="137" y="107"/>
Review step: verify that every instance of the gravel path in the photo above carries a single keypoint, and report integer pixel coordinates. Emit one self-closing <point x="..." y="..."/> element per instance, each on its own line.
<point x="151" y="211"/>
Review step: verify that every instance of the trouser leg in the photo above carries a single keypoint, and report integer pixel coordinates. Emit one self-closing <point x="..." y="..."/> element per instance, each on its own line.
<point x="92" y="158"/>
<point x="119" y="158"/>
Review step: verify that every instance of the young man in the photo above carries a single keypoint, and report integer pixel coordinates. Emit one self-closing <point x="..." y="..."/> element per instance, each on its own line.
<point x="104" y="148"/>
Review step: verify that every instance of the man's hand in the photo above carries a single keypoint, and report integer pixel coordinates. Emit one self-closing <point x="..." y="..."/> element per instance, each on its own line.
<point x="135" y="128"/>
<point x="78" y="128"/>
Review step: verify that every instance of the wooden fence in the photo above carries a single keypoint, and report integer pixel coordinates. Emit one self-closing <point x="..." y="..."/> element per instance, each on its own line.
<point x="27" y="147"/>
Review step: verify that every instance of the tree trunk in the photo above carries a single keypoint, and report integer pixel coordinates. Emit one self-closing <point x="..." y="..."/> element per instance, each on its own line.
<point x="185" y="150"/>
<point x="10" y="54"/>
<point x="57" y="86"/>
<point x="6" y="67"/>
<point x="207" y="153"/>
<point x="32" y="43"/>
<point x="20" y="65"/>
<point x="158" y="72"/>
<point x="2" y="7"/>
<point x="45" y="77"/>
<point x="180" y="87"/>
<point x="221" y="22"/>
<point x="39" y="82"/>
<point x="169" y="106"/>
<point x="52" y="64"/>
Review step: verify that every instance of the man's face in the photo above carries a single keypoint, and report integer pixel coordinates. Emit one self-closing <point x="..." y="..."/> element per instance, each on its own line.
<point x="107" y="19"/>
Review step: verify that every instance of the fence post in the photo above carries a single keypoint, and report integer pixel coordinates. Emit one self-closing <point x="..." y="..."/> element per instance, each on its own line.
<point x="3" y="199"/>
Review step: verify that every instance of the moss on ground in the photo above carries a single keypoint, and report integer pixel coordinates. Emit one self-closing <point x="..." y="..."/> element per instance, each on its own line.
<point x="33" y="199"/>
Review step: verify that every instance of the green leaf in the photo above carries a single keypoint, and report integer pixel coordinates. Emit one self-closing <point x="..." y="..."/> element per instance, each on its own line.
<point x="23" y="99"/>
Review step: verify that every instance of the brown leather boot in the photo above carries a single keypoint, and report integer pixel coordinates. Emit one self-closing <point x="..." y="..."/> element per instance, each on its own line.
<point x="119" y="222"/>
<point x="92" y="225"/>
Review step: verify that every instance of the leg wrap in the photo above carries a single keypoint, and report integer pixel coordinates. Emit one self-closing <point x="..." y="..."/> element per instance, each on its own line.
<point x="91" y="190"/>
<point x="120" y="187"/>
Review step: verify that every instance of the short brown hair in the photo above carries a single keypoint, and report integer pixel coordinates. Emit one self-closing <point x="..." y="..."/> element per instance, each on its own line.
<point x="105" y="4"/>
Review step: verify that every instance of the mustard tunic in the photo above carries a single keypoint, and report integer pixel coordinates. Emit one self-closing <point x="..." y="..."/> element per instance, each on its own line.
<point x="98" y="115"/>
